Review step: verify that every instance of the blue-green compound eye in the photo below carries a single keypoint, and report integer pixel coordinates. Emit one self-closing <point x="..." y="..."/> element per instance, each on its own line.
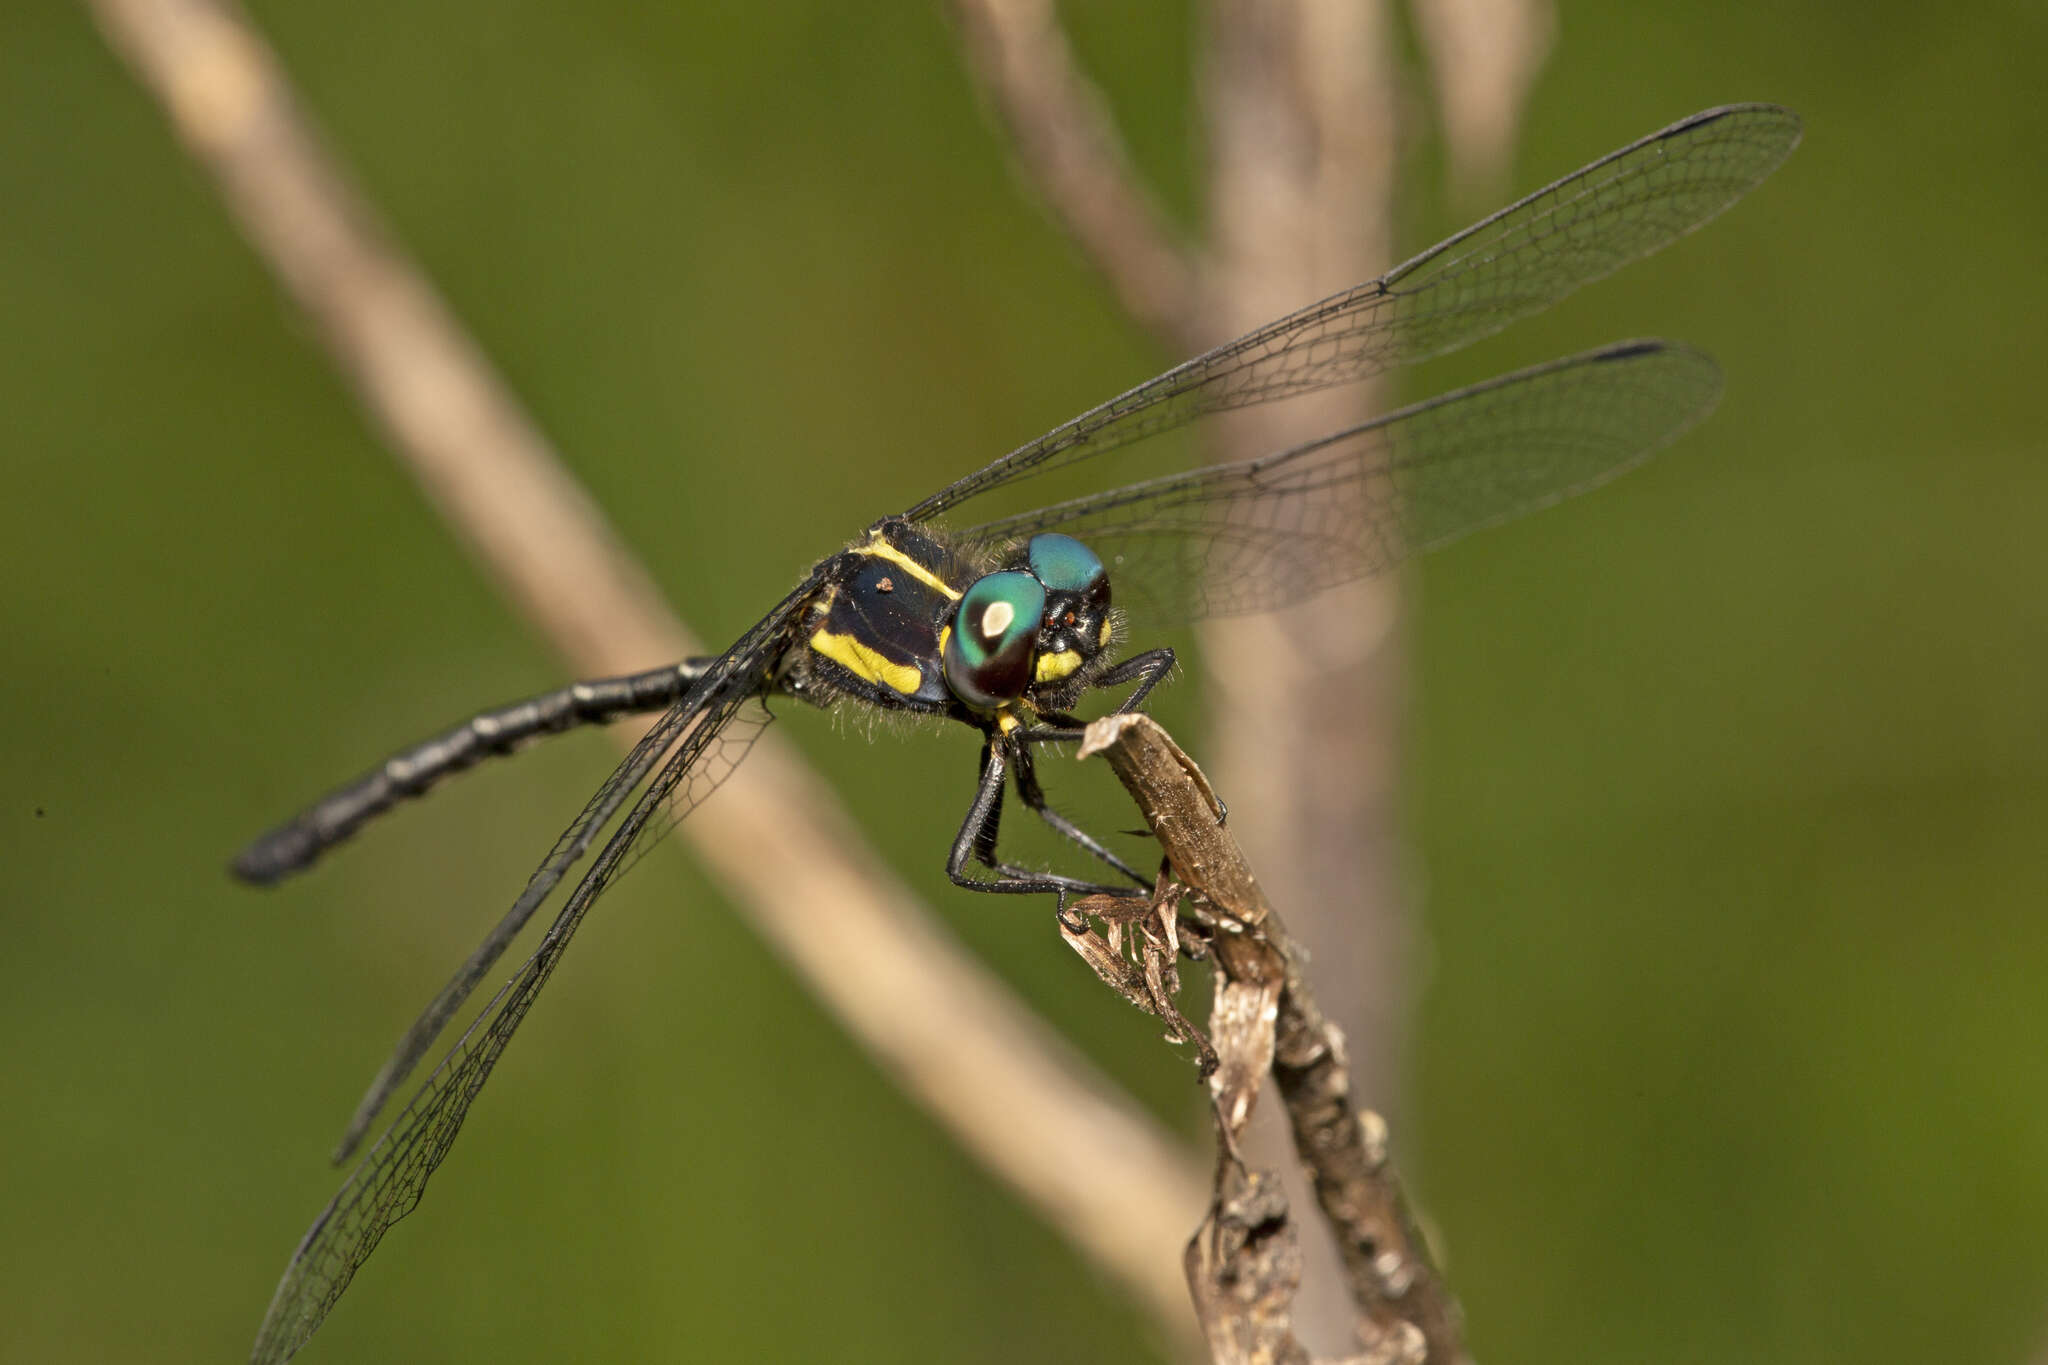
<point x="1064" y="564"/>
<point x="988" y="652"/>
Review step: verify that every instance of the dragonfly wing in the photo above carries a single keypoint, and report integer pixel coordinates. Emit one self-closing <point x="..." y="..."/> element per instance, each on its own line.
<point x="1264" y="533"/>
<point x="597" y="813"/>
<point x="575" y="840"/>
<point x="696" y="745"/>
<point x="1518" y="261"/>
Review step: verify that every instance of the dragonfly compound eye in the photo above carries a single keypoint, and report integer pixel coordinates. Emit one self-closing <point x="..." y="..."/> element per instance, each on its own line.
<point x="987" y="657"/>
<point x="1065" y="565"/>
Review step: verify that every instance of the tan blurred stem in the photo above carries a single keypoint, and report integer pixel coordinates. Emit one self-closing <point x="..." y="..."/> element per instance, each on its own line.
<point x="1301" y="134"/>
<point x="1484" y="57"/>
<point x="1306" y="705"/>
<point x="1068" y="149"/>
<point x="1011" y="1092"/>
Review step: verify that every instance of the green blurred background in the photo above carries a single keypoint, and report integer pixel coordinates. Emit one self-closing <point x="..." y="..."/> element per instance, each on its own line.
<point x="1729" y="785"/>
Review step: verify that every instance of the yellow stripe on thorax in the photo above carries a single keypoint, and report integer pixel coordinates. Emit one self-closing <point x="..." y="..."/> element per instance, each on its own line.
<point x="882" y="549"/>
<point x="863" y="662"/>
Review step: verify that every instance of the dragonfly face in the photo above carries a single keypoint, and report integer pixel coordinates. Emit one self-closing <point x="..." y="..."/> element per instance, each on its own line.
<point x="1007" y="625"/>
<point x="1076" y="626"/>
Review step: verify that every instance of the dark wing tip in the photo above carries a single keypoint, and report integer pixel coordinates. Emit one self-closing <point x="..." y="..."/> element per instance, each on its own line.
<point x="1693" y="383"/>
<point x="1700" y="372"/>
<point x="1637" y="348"/>
<point x="1632" y="350"/>
<point x="1766" y="123"/>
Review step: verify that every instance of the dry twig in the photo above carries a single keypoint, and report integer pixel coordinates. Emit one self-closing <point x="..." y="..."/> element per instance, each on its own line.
<point x="1244" y="1264"/>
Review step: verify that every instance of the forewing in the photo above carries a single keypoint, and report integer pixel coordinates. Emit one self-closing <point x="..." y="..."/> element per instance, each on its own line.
<point x="1519" y="261"/>
<point x="1264" y="533"/>
<point x="700" y="741"/>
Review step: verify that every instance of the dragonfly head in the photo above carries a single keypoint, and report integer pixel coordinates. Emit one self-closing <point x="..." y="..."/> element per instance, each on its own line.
<point x="1030" y="626"/>
<point x="1076" y="626"/>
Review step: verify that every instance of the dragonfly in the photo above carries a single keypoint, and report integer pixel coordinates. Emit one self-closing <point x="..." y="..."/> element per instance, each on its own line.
<point x="1007" y="625"/>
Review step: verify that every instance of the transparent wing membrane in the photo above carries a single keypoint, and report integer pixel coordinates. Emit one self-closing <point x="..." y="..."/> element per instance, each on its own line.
<point x="596" y="813"/>
<point x="1519" y="261"/>
<point x="1268" y="532"/>
<point x="691" y="750"/>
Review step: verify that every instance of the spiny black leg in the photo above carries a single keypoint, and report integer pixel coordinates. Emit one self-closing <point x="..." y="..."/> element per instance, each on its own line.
<point x="1148" y="669"/>
<point x="1033" y="796"/>
<point x="976" y="841"/>
<point x="986" y="837"/>
<point x="991" y="824"/>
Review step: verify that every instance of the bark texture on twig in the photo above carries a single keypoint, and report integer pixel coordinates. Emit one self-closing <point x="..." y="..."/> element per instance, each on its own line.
<point x="1013" y="1093"/>
<point x="1244" y="1265"/>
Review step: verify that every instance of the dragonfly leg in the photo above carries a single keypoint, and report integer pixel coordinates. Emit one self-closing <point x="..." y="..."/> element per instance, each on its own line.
<point x="1032" y="795"/>
<point x="1148" y="670"/>
<point x="976" y="842"/>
